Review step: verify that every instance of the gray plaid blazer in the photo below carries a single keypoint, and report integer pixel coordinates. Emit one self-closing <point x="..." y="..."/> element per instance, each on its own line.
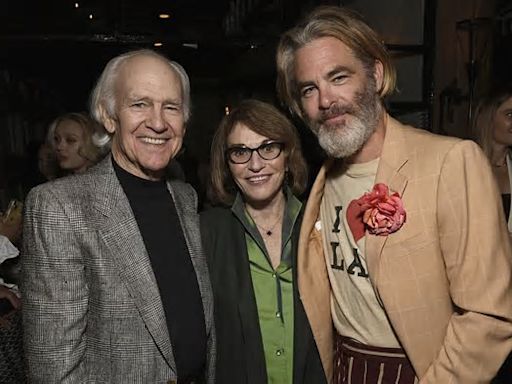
<point x="92" y="311"/>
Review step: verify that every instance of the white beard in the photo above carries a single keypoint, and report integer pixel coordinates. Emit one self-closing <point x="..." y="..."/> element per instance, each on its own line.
<point x="346" y="138"/>
<point x="343" y="140"/>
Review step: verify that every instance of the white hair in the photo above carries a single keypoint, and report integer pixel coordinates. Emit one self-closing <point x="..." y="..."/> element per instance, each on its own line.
<point x="103" y="94"/>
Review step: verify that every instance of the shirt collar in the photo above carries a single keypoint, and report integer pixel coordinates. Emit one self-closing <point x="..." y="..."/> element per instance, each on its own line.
<point x="291" y="213"/>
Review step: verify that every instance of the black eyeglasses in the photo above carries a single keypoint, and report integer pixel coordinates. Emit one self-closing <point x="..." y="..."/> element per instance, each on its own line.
<point x="267" y="151"/>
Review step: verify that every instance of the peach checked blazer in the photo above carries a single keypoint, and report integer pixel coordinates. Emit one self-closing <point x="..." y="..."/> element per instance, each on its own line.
<point x="445" y="277"/>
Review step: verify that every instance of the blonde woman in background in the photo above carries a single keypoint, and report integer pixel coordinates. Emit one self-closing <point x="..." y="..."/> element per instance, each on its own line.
<point x="70" y="139"/>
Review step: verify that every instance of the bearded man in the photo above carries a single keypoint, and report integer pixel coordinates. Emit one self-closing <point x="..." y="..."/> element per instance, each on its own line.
<point x="403" y="246"/>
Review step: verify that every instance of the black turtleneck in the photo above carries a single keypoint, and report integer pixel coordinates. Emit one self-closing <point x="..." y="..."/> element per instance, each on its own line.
<point x="159" y="225"/>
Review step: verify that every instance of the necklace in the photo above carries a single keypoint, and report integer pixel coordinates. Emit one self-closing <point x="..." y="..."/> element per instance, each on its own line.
<point x="268" y="231"/>
<point x="500" y="165"/>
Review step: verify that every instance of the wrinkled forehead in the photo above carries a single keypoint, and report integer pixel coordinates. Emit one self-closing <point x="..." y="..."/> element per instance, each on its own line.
<point x="144" y="74"/>
<point x="323" y="54"/>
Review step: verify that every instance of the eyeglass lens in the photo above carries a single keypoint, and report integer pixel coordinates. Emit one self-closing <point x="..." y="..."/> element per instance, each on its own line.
<point x="267" y="151"/>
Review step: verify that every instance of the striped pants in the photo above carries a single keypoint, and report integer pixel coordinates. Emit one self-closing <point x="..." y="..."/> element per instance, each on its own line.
<point x="356" y="363"/>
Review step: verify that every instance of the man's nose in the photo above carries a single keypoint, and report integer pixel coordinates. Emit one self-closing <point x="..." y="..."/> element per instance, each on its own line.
<point x="156" y="119"/>
<point x="325" y="97"/>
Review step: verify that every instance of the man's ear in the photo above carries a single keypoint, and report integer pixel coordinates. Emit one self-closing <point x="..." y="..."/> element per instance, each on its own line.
<point x="378" y="75"/>
<point x="108" y="122"/>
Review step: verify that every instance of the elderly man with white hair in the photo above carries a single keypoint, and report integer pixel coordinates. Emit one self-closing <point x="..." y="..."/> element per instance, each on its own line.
<point x="115" y="285"/>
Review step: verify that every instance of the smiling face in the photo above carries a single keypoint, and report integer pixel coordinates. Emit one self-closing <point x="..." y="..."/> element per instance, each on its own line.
<point x="503" y="123"/>
<point x="338" y="96"/>
<point x="149" y="127"/>
<point x="260" y="181"/>
<point x="68" y="141"/>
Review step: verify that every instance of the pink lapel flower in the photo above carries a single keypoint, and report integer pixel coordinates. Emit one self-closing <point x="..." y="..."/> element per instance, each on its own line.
<point x="382" y="213"/>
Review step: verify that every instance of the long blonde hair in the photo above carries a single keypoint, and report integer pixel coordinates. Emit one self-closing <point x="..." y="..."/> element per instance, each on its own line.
<point x="88" y="150"/>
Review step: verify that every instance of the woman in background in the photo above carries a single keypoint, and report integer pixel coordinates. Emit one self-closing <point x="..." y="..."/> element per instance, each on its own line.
<point x="70" y="140"/>
<point x="257" y="170"/>
<point x="493" y="129"/>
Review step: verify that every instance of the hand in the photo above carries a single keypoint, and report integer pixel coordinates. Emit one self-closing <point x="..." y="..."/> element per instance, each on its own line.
<point x="6" y="293"/>
<point x="11" y="228"/>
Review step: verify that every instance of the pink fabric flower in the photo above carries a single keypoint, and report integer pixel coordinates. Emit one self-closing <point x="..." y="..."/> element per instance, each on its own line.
<point x="382" y="213"/>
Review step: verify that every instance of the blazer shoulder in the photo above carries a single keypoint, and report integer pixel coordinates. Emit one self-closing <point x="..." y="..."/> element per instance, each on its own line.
<point x="215" y="215"/>
<point x="218" y="222"/>
<point x="430" y="137"/>
<point x="73" y="188"/>
<point x="416" y="139"/>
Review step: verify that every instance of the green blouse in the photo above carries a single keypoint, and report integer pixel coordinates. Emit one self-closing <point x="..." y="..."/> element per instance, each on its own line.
<point x="273" y="290"/>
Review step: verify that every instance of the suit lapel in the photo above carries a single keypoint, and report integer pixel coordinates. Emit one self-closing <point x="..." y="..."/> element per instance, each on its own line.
<point x="246" y="300"/>
<point x="389" y="172"/>
<point x="312" y="275"/>
<point x="189" y="221"/>
<point x="120" y="232"/>
<point x="249" y="318"/>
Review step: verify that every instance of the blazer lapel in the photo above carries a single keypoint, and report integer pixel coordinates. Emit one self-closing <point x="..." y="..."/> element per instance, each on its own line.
<point x="121" y="235"/>
<point x="189" y="220"/>
<point x="391" y="164"/>
<point x="247" y="308"/>
<point x="249" y="321"/>
<point x="312" y="276"/>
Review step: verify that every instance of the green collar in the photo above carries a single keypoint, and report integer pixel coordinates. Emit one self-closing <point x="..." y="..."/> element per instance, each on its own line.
<point x="291" y="213"/>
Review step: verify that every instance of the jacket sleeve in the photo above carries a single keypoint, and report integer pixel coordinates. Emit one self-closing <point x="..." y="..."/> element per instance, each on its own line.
<point x="476" y="249"/>
<point x="212" y="335"/>
<point x="54" y="291"/>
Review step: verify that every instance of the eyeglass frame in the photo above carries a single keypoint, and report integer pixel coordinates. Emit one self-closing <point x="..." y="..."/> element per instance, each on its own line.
<point x="228" y="151"/>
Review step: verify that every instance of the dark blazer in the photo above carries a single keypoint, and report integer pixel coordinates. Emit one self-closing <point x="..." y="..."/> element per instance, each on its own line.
<point x="240" y="356"/>
<point x="92" y="311"/>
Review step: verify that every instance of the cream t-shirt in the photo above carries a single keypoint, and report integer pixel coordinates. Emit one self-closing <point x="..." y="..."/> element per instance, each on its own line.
<point x="356" y="311"/>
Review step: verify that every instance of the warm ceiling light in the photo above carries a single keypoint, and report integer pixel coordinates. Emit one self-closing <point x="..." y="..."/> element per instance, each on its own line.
<point x="191" y="45"/>
<point x="164" y="16"/>
<point x="77" y="5"/>
<point x="157" y="44"/>
<point x="90" y="16"/>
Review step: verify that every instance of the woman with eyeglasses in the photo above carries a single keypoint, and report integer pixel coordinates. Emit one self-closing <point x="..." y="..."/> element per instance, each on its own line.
<point x="257" y="170"/>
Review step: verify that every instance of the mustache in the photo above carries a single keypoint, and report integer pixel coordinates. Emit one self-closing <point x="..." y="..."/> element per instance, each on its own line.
<point x="335" y="110"/>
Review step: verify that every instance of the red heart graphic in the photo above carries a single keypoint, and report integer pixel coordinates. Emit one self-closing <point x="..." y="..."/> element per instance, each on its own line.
<point x="355" y="220"/>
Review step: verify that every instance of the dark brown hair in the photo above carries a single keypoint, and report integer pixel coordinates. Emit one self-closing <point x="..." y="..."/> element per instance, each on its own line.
<point x="265" y="120"/>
